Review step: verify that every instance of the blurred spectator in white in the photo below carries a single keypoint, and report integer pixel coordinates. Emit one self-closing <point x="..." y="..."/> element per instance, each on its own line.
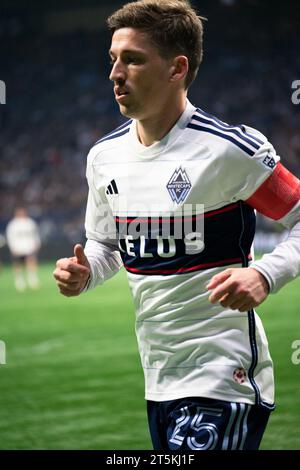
<point x="23" y="239"/>
<point x="2" y="244"/>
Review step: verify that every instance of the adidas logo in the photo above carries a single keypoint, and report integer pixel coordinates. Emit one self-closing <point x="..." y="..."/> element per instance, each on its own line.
<point x="112" y="188"/>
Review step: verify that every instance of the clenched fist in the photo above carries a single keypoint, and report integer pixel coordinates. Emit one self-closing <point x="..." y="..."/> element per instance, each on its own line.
<point x="238" y="288"/>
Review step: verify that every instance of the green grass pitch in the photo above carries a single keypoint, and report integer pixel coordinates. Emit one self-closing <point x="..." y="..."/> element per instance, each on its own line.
<point x="73" y="380"/>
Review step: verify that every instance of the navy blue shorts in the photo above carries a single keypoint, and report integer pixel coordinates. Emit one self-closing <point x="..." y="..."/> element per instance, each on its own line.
<point x="206" y="424"/>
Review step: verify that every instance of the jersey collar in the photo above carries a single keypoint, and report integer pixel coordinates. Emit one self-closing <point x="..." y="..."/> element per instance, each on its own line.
<point x="168" y="139"/>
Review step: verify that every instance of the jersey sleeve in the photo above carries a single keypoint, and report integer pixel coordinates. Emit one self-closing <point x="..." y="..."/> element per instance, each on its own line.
<point x="259" y="179"/>
<point x="101" y="247"/>
<point x="254" y="174"/>
<point x="277" y="195"/>
<point x="247" y="166"/>
<point x="283" y="264"/>
<point x="105" y="261"/>
<point x="99" y="221"/>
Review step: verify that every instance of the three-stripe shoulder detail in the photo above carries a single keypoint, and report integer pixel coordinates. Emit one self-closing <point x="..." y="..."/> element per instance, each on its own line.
<point x="238" y="135"/>
<point x="121" y="130"/>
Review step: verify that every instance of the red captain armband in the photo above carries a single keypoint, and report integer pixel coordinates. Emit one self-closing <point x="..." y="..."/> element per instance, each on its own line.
<point x="277" y="195"/>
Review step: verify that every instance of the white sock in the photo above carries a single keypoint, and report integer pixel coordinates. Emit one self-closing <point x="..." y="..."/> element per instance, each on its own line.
<point x="20" y="283"/>
<point x="32" y="279"/>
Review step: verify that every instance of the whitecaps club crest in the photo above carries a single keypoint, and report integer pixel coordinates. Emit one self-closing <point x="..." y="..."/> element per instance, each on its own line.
<point x="179" y="185"/>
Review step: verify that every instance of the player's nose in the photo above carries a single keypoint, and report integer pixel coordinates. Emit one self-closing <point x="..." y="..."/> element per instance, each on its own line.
<point x="117" y="73"/>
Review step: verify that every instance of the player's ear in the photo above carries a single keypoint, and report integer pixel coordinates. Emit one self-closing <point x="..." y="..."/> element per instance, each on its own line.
<point x="179" y="68"/>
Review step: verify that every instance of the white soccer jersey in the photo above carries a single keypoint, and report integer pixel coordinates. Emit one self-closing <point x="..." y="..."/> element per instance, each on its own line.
<point x="23" y="236"/>
<point x="194" y="181"/>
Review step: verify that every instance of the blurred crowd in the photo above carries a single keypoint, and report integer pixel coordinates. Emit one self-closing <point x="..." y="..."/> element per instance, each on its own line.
<point x="60" y="102"/>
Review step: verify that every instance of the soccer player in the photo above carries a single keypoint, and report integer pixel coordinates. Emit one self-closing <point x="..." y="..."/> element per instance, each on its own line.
<point x="172" y="197"/>
<point x="23" y="239"/>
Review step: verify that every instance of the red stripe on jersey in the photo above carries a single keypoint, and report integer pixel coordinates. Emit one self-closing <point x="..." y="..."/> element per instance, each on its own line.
<point x="277" y="195"/>
<point x="228" y="208"/>
<point x="142" y="220"/>
<point x="186" y="270"/>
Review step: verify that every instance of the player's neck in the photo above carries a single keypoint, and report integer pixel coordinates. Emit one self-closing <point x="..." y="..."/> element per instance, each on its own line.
<point x="153" y="129"/>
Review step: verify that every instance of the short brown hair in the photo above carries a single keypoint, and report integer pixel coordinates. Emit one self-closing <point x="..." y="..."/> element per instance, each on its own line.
<point x="172" y="25"/>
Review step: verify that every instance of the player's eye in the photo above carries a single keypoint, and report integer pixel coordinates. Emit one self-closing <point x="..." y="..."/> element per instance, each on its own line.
<point x="132" y="60"/>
